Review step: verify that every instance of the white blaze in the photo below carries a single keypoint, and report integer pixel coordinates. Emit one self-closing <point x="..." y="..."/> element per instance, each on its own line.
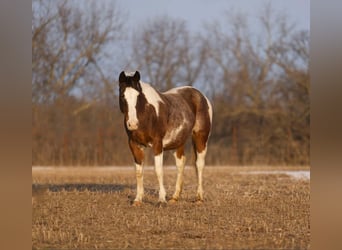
<point x="131" y="96"/>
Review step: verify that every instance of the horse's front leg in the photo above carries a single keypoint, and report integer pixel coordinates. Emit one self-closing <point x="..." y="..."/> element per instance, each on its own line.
<point x="138" y="154"/>
<point x="158" y="163"/>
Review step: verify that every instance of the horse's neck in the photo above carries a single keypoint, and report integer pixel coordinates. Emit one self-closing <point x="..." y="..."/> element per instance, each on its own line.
<point x="152" y="96"/>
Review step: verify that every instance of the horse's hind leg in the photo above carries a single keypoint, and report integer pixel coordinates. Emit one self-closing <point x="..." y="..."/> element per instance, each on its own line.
<point x="180" y="163"/>
<point x="200" y="147"/>
<point x="158" y="162"/>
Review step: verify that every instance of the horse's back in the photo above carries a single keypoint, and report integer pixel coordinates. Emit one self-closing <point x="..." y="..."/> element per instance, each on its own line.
<point x="196" y="102"/>
<point x="193" y="97"/>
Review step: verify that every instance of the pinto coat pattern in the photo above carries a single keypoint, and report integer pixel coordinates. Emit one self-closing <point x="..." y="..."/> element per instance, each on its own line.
<point x="164" y="121"/>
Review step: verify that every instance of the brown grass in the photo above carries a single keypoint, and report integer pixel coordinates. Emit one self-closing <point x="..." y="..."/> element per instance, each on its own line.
<point x="90" y="208"/>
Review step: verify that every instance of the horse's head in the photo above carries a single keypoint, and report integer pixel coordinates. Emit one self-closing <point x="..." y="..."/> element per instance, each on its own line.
<point x="130" y="89"/>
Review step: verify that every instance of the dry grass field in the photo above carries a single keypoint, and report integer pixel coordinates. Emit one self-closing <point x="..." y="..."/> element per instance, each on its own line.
<point x="90" y="208"/>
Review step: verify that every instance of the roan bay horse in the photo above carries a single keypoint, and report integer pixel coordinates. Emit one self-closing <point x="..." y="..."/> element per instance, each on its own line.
<point x="164" y="121"/>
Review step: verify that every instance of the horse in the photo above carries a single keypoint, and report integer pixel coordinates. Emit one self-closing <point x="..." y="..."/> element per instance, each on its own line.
<point x="164" y="121"/>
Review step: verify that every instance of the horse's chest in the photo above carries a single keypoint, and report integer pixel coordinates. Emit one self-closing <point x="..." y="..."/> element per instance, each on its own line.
<point x="141" y="137"/>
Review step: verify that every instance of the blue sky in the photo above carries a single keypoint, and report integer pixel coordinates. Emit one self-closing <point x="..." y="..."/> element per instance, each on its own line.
<point x="197" y="12"/>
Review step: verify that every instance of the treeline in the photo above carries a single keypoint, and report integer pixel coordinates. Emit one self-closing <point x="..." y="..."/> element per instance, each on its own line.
<point x="257" y="80"/>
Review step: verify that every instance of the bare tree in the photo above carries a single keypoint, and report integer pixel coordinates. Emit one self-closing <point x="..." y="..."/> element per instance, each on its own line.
<point x="71" y="46"/>
<point x="293" y="91"/>
<point x="248" y="70"/>
<point x="69" y="43"/>
<point x="165" y="50"/>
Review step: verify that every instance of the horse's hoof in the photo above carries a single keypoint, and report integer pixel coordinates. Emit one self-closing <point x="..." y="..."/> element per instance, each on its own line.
<point x="137" y="203"/>
<point x="162" y="204"/>
<point x="199" y="202"/>
<point x="172" y="201"/>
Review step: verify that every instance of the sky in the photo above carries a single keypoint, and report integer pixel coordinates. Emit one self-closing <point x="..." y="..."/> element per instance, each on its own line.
<point x="197" y="12"/>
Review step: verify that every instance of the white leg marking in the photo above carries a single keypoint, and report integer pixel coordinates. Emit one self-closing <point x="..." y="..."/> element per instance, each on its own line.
<point x="158" y="161"/>
<point x="200" y="162"/>
<point x="140" y="187"/>
<point x="180" y="163"/>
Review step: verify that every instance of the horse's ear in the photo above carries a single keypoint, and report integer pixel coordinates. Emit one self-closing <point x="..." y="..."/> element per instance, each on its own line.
<point x="138" y="86"/>
<point x="136" y="81"/>
<point x="136" y="76"/>
<point x="122" y="77"/>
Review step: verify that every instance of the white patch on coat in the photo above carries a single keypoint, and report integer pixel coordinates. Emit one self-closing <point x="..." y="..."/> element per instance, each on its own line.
<point x="131" y="96"/>
<point x="175" y="90"/>
<point x="151" y="95"/>
<point x="210" y="109"/>
<point x="171" y="135"/>
<point x="198" y="124"/>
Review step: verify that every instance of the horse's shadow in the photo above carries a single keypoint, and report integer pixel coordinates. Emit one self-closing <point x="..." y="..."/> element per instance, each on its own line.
<point x="151" y="195"/>
<point x="80" y="187"/>
<point x="39" y="190"/>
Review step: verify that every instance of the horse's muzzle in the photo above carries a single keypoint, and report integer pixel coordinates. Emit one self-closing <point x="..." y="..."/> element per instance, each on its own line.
<point x="132" y="125"/>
